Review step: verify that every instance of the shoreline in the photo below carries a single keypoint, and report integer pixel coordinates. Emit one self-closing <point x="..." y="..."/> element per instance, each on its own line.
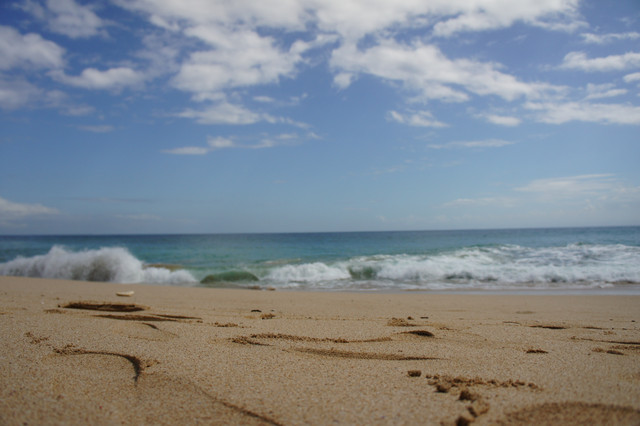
<point x="233" y="356"/>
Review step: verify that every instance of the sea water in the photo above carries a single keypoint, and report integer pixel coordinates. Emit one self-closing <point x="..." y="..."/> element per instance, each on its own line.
<point x="591" y="259"/>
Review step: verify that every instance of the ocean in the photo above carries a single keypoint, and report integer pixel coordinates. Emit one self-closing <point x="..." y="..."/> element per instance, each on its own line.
<point x="523" y="260"/>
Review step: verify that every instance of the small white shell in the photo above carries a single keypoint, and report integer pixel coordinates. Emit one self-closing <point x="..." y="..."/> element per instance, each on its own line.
<point x="125" y="293"/>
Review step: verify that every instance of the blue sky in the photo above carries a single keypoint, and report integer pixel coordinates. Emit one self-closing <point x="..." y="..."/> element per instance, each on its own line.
<point x="172" y="116"/>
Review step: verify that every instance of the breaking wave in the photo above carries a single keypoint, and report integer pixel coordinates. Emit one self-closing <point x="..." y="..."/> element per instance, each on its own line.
<point x="110" y="264"/>
<point x="500" y="267"/>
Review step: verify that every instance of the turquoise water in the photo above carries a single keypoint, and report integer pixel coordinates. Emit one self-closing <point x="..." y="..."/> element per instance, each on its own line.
<point x="516" y="259"/>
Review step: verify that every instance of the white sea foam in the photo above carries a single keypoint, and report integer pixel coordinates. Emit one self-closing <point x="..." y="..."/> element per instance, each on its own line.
<point x="111" y="264"/>
<point x="308" y="272"/>
<point x="571" y="266"/>
<point x="489" y="267"/>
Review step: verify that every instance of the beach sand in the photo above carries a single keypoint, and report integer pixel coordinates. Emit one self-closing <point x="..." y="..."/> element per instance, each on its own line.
<point x="76" y="353"/>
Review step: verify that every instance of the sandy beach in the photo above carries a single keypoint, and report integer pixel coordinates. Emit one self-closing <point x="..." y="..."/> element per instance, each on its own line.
<point x="77" y="353"/>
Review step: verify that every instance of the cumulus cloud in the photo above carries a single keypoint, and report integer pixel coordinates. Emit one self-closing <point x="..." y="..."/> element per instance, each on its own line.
<point x="264" y="99"/>
<point x="238" y="55"/>
<point x="73" y="20"/>
<point x="563" y="112"/>
<point x="104" y="128"/>
<point x="17" y="93"/>
<point x="489" y="143"/>
<point x="417" y="118"/>
<point x="581" y="185"/>
<point x="483" y="201"/>
<point x="29" y="50"/>
<point x="187" y="150"/>
<point x="66" y="17"/>
<point x="477" y="16"/>
<point x="601" y="189"/>
<point x="502" y="120"/>
<point x="580" y="61"/>
<point x="599" y="91"/>
<point x="220" y="143"/>
<point x="224" y="113"/>
<point x="10" y="210"/>
<point x="213" y="144"/>
<point x="609" y="38"/>
<point x="215" y="50"/>
<point x="629" y="78"/>
<point x="425" y="69"/>
<point x="110" y="79"/>
<point x="289" y="14"/>
<point x="353" y="19"/>
<point x="239" y="59"/>
<point x="143" y="217"/>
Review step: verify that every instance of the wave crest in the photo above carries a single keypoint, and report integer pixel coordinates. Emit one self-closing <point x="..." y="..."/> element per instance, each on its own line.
<point x="109" y="264"/>
<point x="506" y="266"/>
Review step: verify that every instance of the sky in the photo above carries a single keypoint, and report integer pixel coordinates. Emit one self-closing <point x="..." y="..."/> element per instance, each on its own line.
<point x="216" y="116"/>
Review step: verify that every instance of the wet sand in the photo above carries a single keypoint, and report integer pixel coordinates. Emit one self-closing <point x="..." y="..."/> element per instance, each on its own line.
<point x="77" y="353"/>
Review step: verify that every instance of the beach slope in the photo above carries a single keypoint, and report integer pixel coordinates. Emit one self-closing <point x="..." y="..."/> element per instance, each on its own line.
<point x="77" y="353"/>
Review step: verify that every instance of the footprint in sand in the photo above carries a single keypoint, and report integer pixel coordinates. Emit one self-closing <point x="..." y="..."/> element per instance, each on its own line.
<point x="573" y="413"/>
<point x="143" y="326"/>
<point x="105" y="306"/>
<point x="549" y="326"/>
<point x="137" y="364"/>
<point x="459" y="387"/>
<point x="132" y="391"/>
<point x="143" y="331"/>
<point x="339" y="347"/>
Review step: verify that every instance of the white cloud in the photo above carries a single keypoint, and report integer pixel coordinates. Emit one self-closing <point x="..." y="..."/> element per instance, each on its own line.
<point x="239" y="58"/>
<point x="343" y="80"/>
<point x="629" y="78"/>
<point x="220" y="143"/>
<point x="572" y="186"/>
<point x="224" y="113"/>
<point x="98" y="128"/>
<point x="11" y="211"/>
<point x="502" y="120"/>
<point x="489" y="143"/>
<point x="78" y="110"/>
<point x="111" y="79"/>
<point x="213" y="144"/>
<point x="264" y="99"/>
<point x="289" y="14"/>
<point x="608" y="38"/>
<point x="488" y="15"/>
<point x="188" y="150"/>
<point x="419" y="118"/>
<point x="425" y="69"/>
<point x="29" y="50"/>
<point x="239" y="51"/>
<point x="599" y="91"/>
<point x="72" y="19"/>
<point x="559" y="113"/>
<point x="353" y="19"/>
<point x="604" y="193"/>
<point x="66" y="17"/>
<point x="109" y="200"/>
<point x="483" y="201"/>
<point x="17" y="93"/>
<point x="579" y="61"/>
<point x="144" y="217"/>
<point x="161" y="52"/>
